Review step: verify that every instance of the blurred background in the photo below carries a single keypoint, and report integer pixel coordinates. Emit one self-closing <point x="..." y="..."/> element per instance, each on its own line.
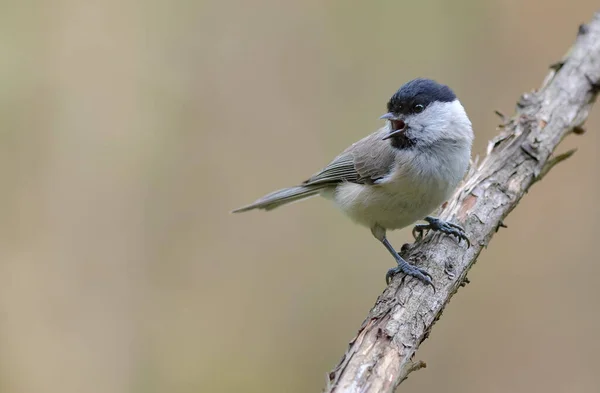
<point x="130" y="129"/>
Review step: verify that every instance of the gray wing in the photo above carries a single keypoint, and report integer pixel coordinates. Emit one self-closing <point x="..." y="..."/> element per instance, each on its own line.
<point x="365" y="162"/>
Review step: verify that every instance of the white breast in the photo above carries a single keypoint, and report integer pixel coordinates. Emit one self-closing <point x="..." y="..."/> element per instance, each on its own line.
<point x="420" y="183"/>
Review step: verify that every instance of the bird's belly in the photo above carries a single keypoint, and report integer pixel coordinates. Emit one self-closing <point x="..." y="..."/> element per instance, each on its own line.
<point x="388" y="207"/>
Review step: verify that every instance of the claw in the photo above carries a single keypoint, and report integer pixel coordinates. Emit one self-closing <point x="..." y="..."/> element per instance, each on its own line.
<point x="435" y="224"/>
<point x="409" y="270"/>
<point x="418" y="230"/>
<point x="389" y="275"/>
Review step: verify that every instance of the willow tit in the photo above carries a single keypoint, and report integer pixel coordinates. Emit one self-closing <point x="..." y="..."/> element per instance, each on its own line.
<point x="399" y="174"/>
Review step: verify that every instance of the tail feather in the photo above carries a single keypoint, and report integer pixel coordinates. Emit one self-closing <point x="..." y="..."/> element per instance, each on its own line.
<point x="280" y="197"/>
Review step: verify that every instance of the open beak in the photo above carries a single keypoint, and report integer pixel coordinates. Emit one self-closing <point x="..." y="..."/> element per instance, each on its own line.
<point x="393" y="134"/>
<point x="397" y="124"/>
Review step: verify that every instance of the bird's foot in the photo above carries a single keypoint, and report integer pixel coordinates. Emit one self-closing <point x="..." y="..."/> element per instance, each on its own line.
<point x="409" y="270"/>
<point x="437" y="225"/>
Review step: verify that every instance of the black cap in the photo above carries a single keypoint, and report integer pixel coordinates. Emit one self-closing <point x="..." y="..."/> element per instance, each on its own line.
<point x="419" y="91"/>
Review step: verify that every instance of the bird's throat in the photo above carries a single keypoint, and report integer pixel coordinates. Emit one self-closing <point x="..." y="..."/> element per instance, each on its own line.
<point x="401" y="141"/>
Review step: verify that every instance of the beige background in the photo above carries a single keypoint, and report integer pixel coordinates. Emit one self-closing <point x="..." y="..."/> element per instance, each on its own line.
<point x="128" y="130"/>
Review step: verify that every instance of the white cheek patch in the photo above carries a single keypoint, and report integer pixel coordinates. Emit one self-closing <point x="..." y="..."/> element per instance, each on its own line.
<point x="447" y="120"/>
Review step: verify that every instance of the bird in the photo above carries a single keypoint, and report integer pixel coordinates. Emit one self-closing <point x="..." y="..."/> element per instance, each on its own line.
<point x="399" y="174"/>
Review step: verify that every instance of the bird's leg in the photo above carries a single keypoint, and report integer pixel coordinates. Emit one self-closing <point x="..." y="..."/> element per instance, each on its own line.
<point x="437" y="225"/>
<point x="403" y="266"/>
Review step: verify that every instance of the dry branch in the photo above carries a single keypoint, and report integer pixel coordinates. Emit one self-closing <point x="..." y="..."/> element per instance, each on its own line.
<point x="379" y="358"/>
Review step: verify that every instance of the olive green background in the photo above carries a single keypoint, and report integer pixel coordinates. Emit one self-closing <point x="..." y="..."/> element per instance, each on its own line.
<point x="130" y="129"/>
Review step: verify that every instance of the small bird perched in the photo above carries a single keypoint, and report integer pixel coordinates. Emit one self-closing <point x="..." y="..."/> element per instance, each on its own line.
<point x="399" y="174"/>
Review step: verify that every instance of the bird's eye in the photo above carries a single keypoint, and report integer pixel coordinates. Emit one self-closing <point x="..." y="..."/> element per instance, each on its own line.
<point x="418" y="108"/>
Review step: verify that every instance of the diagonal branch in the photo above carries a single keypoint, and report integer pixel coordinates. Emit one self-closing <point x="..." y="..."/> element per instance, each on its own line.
<point x="379" y="358"/>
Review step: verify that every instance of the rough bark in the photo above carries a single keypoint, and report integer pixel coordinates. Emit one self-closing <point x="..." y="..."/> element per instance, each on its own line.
<point x="380" y="357"/>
